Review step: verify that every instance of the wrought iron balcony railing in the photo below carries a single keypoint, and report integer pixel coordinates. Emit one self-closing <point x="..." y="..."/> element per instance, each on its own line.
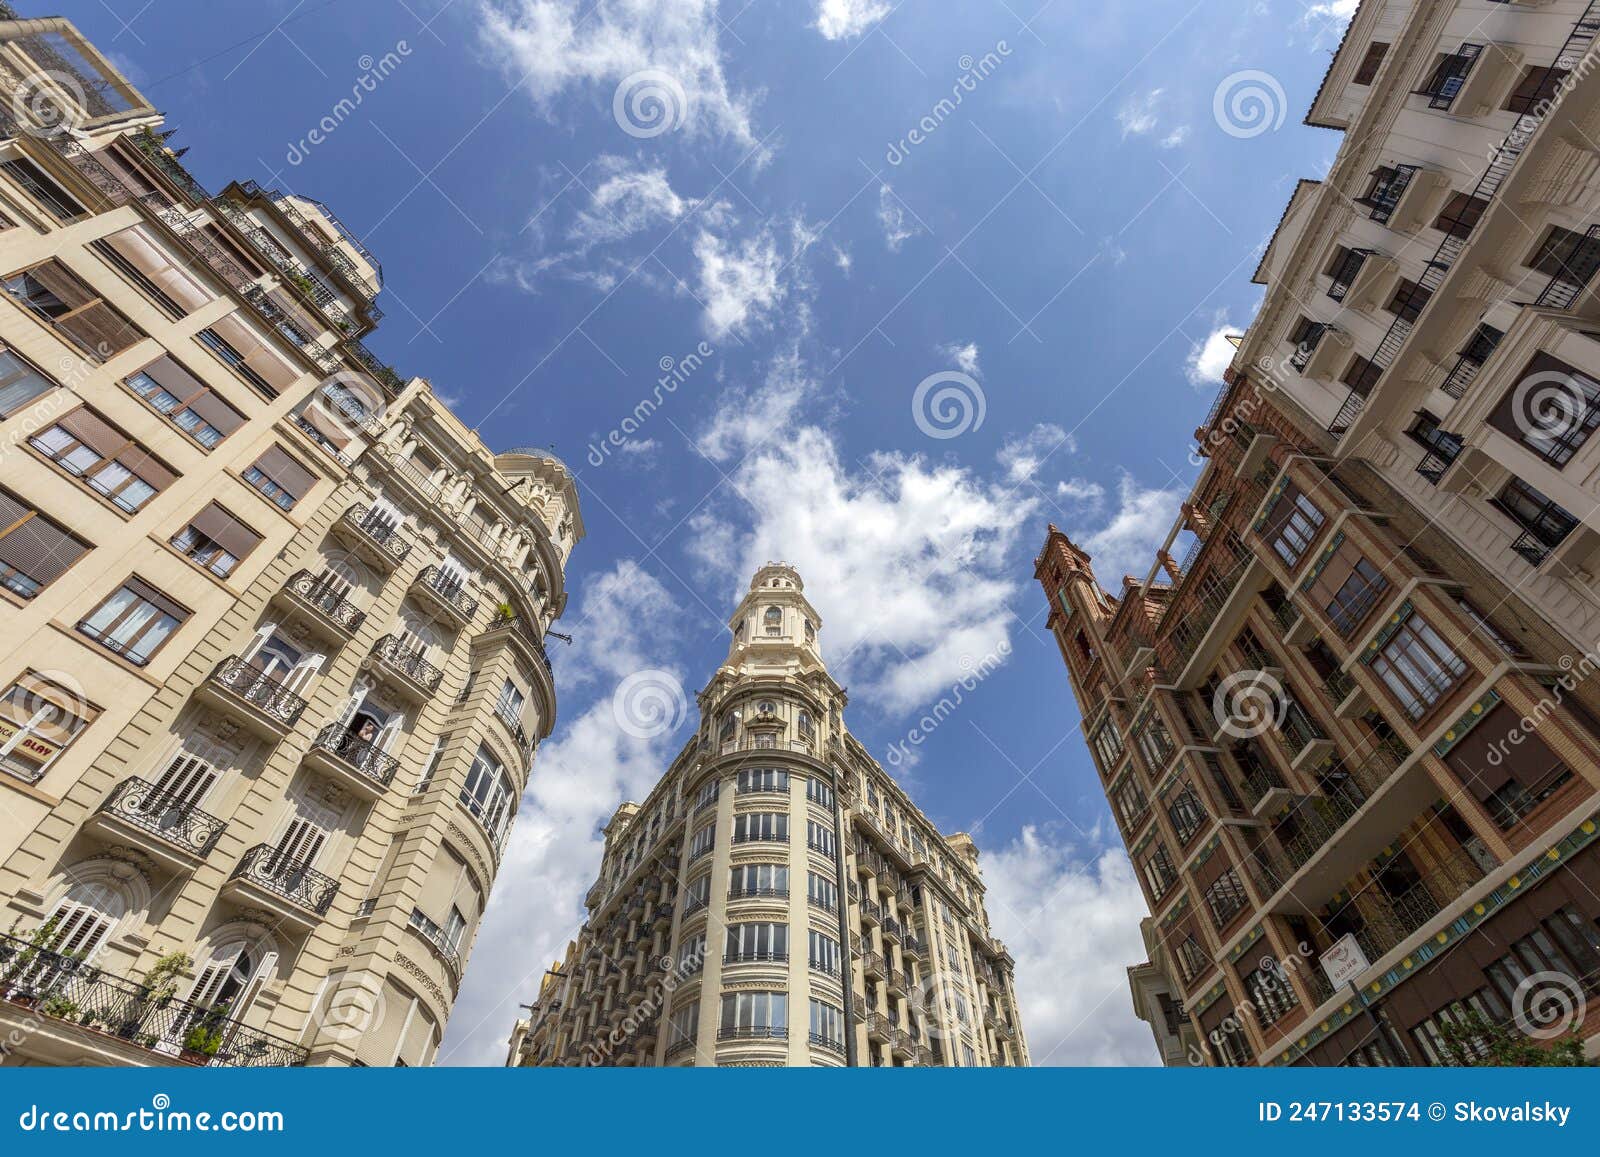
<point x="361" y="754"/>
<point x="302" y="885"/>
<point x="66" y="988"/>
<point x="754" y="1032"/>
<point x="260" y="690"/>
<point x="327" y="599"/>
<point x="447" y="587"/>
<point x="393" y="541"/>
<point x="393" y="652"/>
<point x="161" y="813"/>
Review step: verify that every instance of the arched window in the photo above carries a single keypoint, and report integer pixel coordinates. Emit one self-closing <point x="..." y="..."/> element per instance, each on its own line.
<point x="730" y="723"/>
<point x="222" y="980"/>
<point x="773" y="619"/>
<point x="767" y="707"/>
<point x="85" y="918"/>
<point x="803" y="721"/>
<point x="811" y="631"/>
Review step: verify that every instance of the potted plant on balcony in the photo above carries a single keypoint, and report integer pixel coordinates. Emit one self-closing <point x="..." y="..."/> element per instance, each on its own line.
<point x="504" y="613"/>
<point x="205" y="1036"/>
<point x="21" y="961"/>
<point x="160" y="985"/>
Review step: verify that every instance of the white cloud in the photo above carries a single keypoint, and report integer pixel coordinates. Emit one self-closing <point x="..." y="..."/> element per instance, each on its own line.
<point x="1081" y="492"/>
<point x="1137" y="116"/>
<point x="738" y="281"/>
<point x="841" y="258"/>
<point x="1341" y="10"/>
<point x="552" y="46"/>
<point x="1127" y="543"/>
<point x="1023" y="454"/>
<point x="1071" y="920"/>
<point x="842" y="19"/>
<point x="906" y="561"/>
<point x="1210" y="358"/>
<point x="965" y="356"/>
<point x="627" y="201"/>
<point x="897" y="226"/>
<point x="579" y="778"/>
<point x="1176" y="137"/>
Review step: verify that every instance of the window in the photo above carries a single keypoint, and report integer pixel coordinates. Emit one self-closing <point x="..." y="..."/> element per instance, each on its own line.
<point x="61" y="299"/>
<point x="683" y="1029"/>
<point x="39" y="720"/>
<point x="754" y="1014"/>
<point x="697" y="894"/>
<point x="1538" y="86"/>
<point x="1418" y="667"/>
<point x="1154" y="741"/>
<point x="1460" y="215"/>
<point x="20" y="383"/>
<point x="134" y="622"/>
<point x="824" y="953"/>
<point x="730" y="724"/>
<point x="1361" y="375"/>
<point x="42" y="188"/>
<point x="772" y="619"/>
<point x="1567" y="256"/>
<point x="1292" y="525"/>
<point x="759" y="880"/>
<point x="763" y="780"/>
<point x="1500" y="639"/>
<point x="819" y="793"/>
<point x="1158" y="872"/>
<point x="1192" y="959"/>
<point x="1187" y="813"/>
<point x="803" y="724"/>
<point x="1449" y="74"/>
<point x="1368" y="68"/>
<point x="280" y="477"/>
<point x="237" y="346"/>
<point x="431" y="767"/>
<point x="969" y="1059"/>
<point x="767" y="941"/>
<point x="1225" y="898"/>
<point x="822" y="892"/>
<point x="1354" y="600"/>
<point x="1552" y="410"/>
<point x="1270" y="992"/>
<point x="488" y="794"/>
<point x="707" y="795"/>
<point x="34" y="551"/>
<point x="1408" y="300"/>
<point x="692" y="954"/>
<point x="179" y="396"/>
<point x="110" y="463"/>
<point x="760" y="826"/>
<point x="1544" y="521"/>
<point x="1130" y="802"/>
<point x="827" y="1025"/>
<point x="1429" y="1035"/>
<point x="820" y="838"/>
<point x="703" y="841"/>
<point x="1108" y="744"/>
<point x="138" y="255"/>
<point x="215" y="540"/>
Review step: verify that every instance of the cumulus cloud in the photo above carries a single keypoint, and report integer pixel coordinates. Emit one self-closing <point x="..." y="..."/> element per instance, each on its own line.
<point x="1210" y="357"/>
<point x="1070" y="918"/>
<point x="1176" y="137"/>
<point x="906" y="560"/>
<point x="739" y="281"/>
<point x="898" y="228"/>
<point x="843" y="19"/>
<point x="551" y="47"/>
<point x="964" y="355"/>
<point x="1022" y="454"/>
<point x="1082" y="493"/>
<point x="1127" y="543"/>
<point x="579" y="778"/>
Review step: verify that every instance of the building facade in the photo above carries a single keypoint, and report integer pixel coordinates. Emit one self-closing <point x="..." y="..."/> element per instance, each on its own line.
<point x="1347" y="722"/>
<point x="778" y="899"/>
<point x="272" y="669"/>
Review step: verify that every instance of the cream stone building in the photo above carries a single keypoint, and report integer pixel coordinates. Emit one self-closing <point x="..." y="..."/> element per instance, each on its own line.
<point x="272" y="665"/>
<point x="778" y="899"/>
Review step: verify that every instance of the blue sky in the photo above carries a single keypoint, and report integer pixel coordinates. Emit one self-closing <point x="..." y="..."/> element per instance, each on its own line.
<point x="564" y="195"/>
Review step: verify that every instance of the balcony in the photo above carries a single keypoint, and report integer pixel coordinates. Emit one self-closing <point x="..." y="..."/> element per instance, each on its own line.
<point x="405" y="670"/>
<point x="373" y="537"/>
<point x="322" y="605"/>
<point x="872" y="965"/>
<point x="525" y="743"/>
<point x="352" y="762"/>
<point x="167" y="828"/>
<point x="445" y="591"/>
<point x="1302" y="737"/>
<point x="1345" y="273"/>
<point x="97" y="1005"/>
<point x="896" y="980"/>
<point x="892" y="928"/>
<point x="1388" y="190"/>
<point x="754" y="1032"/>
<point x="911" y="946"/>
<point x="870" y="913"/>
<point x="295" y="892"/>
<point x="265" y="705"/>
<point x="440" y="944"/>
<point x="827" y="1043"/>
<point x="879" y="1028"/>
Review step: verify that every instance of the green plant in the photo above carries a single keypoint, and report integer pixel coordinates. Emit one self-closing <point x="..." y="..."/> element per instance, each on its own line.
<point x="202" y="1040"/>
<point x="505" y="612"/>
<point x="161" y="978"/>
<point x="59" y="1006"/>
<point x="1474" y="1040"/>
<point x="42" y="939"/>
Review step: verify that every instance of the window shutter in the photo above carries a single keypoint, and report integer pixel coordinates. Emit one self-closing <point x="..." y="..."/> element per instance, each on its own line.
<point x="214" y="411"/>
<point x="226" y="531"/>
<point x="156" y="599"/>
<point x="94" y="431"/>
<point x="139" y="249"/>
<point x="34" y="545"/>
<point x="285" y="471"/>
<point x="20" y="383"/>
<point x="173" y="378"/>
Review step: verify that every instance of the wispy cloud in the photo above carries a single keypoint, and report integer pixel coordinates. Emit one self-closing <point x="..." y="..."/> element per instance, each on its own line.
<point x="898" y="228"/>
<point x="843" y="19"/>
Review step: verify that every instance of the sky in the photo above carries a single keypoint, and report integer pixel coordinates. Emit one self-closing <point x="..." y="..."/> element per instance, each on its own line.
<point x="878" y="289"/>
